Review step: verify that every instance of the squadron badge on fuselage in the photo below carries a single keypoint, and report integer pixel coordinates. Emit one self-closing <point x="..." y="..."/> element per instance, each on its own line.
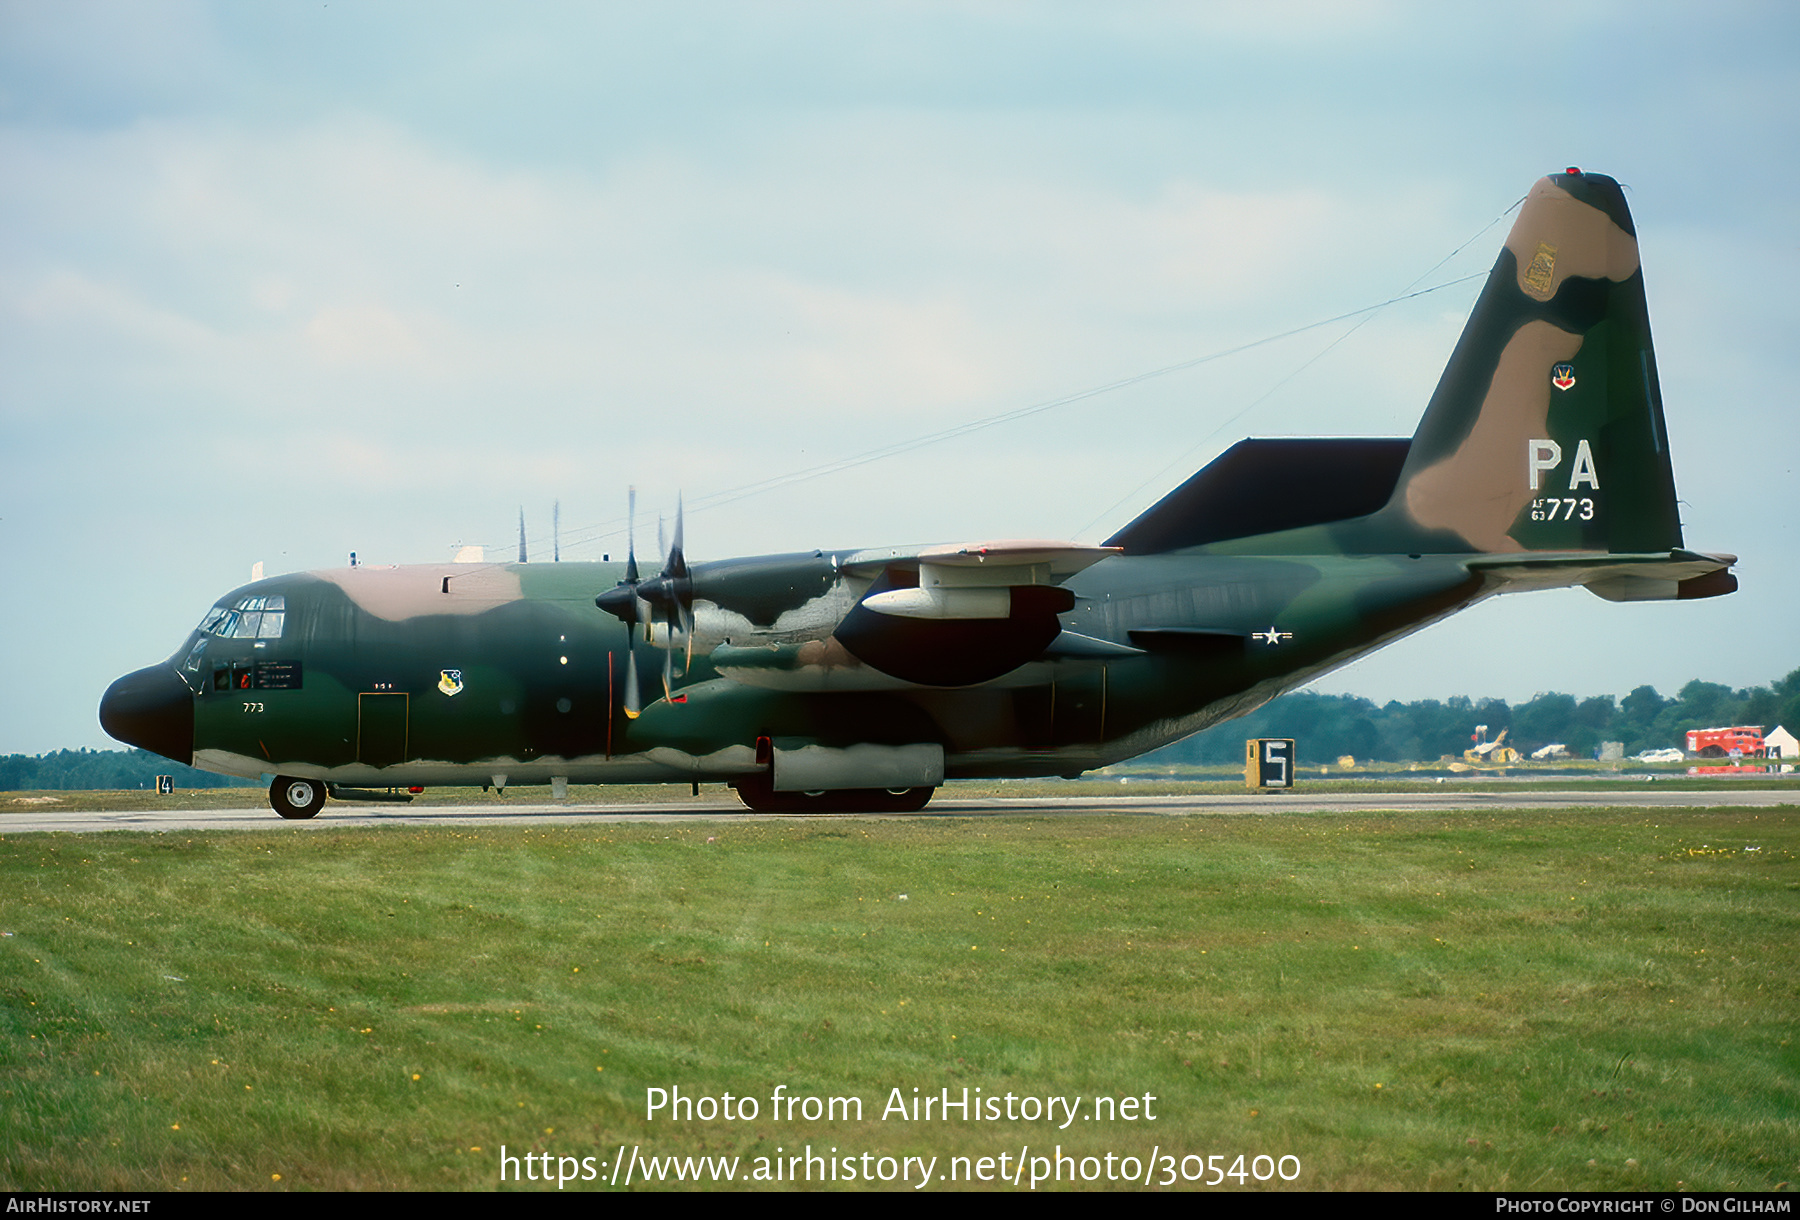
<point x="450" y="681"/>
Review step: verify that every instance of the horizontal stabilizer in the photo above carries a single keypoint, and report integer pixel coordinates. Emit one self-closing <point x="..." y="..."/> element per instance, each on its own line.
<point x="1655" y="576"/>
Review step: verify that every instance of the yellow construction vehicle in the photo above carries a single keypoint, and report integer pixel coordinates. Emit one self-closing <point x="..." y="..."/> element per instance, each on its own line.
<point x="1487" y="753"/>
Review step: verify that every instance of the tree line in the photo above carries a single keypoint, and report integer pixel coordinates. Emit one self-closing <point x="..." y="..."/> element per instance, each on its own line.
<point x="64" y="769"/>
<point x="1325" y="727"/>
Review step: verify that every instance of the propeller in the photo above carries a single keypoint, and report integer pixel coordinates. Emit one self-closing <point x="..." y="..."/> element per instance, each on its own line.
<point x="622" y="601"/>
<point x="668" y="596"/>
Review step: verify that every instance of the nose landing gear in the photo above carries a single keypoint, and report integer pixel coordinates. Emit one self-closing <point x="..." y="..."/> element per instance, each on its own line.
<point x="296" y="799"/>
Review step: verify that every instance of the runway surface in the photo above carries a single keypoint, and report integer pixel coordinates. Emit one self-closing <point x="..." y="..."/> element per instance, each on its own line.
<point x="338" y="815"/>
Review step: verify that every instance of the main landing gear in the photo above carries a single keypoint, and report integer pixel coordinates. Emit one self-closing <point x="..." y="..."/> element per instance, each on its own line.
<point x="296" y="799"/>
<point x="758" y="792"/>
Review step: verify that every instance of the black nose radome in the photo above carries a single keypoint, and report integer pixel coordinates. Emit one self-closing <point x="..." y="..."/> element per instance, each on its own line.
<point x="152" y="709"/>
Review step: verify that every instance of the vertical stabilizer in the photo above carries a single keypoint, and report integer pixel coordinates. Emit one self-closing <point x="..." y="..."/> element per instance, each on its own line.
<point x="1546" y="431"/>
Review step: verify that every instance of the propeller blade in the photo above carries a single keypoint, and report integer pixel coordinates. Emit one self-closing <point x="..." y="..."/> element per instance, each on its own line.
<point x="631" y="568"/>
<point x="676" y="563"/>
<point x="624" y="601"/>
<point x="666" y="598"/>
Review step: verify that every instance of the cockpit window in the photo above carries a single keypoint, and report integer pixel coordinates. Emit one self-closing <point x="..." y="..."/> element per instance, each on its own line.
<point x="252" y="618"/>
<point x="192" y="663"/>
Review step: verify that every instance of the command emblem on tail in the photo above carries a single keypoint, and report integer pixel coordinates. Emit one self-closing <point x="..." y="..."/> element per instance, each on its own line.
<point x="1562" y="376"/>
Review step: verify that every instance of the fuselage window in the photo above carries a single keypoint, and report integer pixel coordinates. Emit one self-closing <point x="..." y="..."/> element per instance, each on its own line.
<point x="192" y="664"/>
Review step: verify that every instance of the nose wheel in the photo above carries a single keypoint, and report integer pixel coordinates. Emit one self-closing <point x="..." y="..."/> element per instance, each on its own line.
<point x="296" y="799"/>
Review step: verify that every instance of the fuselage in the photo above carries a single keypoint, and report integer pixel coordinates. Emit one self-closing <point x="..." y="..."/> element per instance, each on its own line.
<point x="1541" y="461"/>
<point x="458" y="674"/>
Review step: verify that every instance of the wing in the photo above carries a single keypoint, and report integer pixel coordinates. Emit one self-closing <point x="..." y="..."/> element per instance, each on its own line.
<point x="952" y="615"/>
<point x="962" y="614"/>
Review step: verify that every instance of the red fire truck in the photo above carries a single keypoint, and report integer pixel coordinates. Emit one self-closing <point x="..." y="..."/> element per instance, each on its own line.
<point x="1746" y="740"/>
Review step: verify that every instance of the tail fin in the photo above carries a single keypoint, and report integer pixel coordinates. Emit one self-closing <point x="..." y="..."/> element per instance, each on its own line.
<point x="1546" y="430"/>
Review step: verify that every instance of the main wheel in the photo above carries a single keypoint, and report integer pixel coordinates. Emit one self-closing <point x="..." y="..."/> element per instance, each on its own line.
<point x="758" y="792"/>
<point x="759" y="795"/>
<point x="296" y="799"/>
<point x="906" y="800"/>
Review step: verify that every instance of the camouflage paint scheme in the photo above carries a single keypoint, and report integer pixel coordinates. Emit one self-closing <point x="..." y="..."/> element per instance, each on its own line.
<point x="1541" y="461"/>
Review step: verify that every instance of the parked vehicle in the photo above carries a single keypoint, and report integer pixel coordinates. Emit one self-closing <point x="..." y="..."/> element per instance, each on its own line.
<point x="1742" y="741"/>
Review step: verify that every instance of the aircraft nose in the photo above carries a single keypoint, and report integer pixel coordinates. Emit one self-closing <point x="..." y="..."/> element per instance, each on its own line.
<point x="152" y="709"/>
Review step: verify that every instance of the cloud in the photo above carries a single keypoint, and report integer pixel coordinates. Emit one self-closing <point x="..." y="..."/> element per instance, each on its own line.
<point x="363" y="335"/>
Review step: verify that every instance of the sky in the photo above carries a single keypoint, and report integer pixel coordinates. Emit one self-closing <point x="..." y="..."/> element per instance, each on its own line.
<point x="283" y="281"/>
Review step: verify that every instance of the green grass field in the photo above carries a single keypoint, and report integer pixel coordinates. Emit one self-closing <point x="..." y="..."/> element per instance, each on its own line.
<point x="1570" y="1000"/>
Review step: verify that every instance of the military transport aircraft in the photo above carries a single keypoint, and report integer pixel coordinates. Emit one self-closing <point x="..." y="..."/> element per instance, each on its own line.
<point x="863" y="679"/>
